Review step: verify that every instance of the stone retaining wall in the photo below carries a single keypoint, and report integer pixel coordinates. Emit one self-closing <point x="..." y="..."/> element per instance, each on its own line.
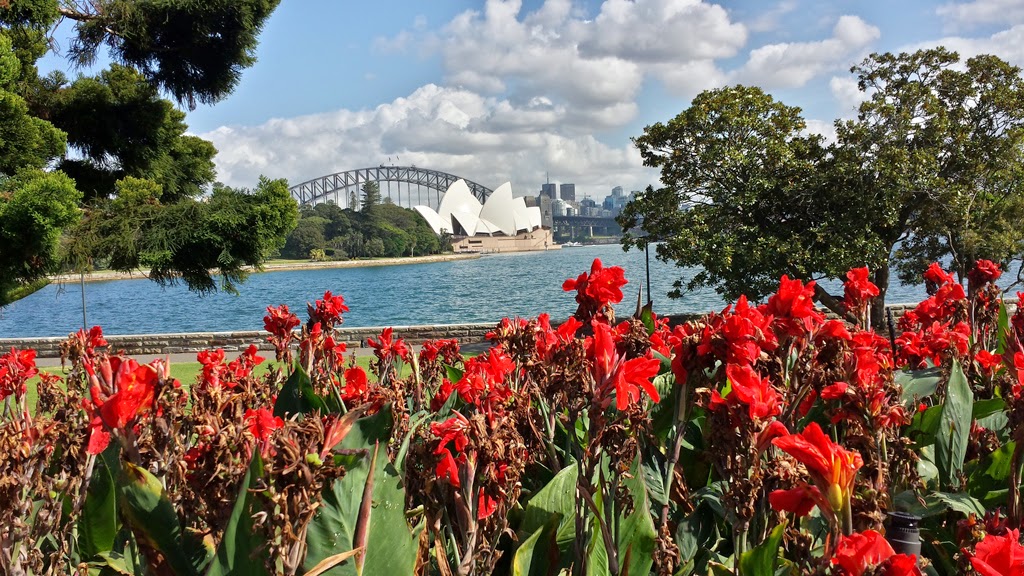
<point x="137" y="344"/>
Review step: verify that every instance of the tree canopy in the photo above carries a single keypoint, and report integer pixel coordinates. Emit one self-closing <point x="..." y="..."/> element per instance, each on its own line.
<point x="383" y="230"/>
<point x="118" y="152"/>
<point x="929" y="169"/>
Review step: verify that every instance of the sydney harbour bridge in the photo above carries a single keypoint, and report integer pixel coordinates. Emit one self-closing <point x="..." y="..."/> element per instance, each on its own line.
<point x="410" y="186"/>
<point x="406" y="186"/>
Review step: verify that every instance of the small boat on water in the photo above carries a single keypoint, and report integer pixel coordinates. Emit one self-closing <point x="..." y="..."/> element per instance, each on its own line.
<point x="572" y="245"/>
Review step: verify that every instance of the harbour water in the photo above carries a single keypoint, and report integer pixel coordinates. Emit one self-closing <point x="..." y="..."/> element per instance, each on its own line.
<point x="482" y="290"/>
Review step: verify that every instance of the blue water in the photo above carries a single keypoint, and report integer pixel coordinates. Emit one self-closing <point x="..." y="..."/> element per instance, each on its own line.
<point x="482" y="290"/>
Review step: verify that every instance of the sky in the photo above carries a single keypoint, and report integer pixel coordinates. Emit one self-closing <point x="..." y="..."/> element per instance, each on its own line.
<point x="522" y="91"/>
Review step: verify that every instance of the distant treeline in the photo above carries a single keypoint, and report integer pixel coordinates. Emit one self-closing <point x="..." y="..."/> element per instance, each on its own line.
<point x="379" y="229"/>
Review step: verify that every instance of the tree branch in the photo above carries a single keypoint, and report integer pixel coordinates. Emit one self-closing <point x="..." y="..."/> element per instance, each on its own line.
<point x="833" y="303"/>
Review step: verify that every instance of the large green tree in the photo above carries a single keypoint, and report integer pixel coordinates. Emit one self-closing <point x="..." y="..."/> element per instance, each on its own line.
<point x="144" y="183"/>
<point x="741" y="199"/>
<point x="930" y="169"/>
<point x="935" y="156"/>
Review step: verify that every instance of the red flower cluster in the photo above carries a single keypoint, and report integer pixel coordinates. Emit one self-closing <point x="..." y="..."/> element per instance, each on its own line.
<point x="451" y="431"/>
<point x="748" y="389"/>
<point x="983" y="272"/>
<point x="858" y="553"/>
<point x="929" y="330"/>
<point x="738" y="336"/>
<point x="16" y="368"/>
<point x="614" y="373"/>
<point x="793" y="307"/>
<point x="327" y="311"/>
<point x="216" y="374"/>
<point x="356" y="385"/>
<point x="120" y="390"/>
<point x="832" y="468"/>
<point x="858" y="291"/>
<point x="597" y="291"/>
<point x="261" y="423"/>
<point x="91" y="340"/>
<point x="387" y="348"/>
<point x="999" y="555"/>
<point x="483" y="383"/>
<point x="280" y="322"/>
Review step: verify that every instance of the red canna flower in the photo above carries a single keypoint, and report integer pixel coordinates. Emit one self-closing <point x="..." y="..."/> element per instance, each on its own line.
<point x="793" y="306"/>
<point x="800" y="500"/>
<point x="451" y="431"/>
<point x="832" y="467"/>
<point x="999" y="555"/>
<point x="984" y="271"/>
<point x="597" y="291"/>
<point x="327" y="311"/>
<point x="16" y="368"/>
<point x="857" y="553"/>
<point x="486" y="505"/>
<point x="388" y="349"/>
<point x="91" y="340"/>
<point x="858" y="290"/>
<point x="280" y="322"/>
<point x="261" y="423"/>
<point x="754" y="391"/>
<point x="613" y="373"/>
<point x="133" y="389"/>
<point x="987" y="361"/>
<point x="937" y="276"/>
<point x="835" y="391"/>
<point x="355" y="384"/>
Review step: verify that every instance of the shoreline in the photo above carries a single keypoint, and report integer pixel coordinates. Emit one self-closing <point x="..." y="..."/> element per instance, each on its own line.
<point x="108" y="275"/>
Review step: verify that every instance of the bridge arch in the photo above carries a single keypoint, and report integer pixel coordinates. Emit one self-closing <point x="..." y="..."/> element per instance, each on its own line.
<point x="337" y="187"/>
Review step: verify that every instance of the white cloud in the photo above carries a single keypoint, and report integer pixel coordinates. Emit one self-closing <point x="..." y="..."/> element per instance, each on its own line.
<point x="659" y="31"/>
<point x="771" y="20"/>
<point x="847" y="94"/>
<point x="825" y="128"/>
<point x="1007" y="44"/>
<point x="967" y="15"/>
<point x="791" y="65"/>
<point x="477" y="137"/>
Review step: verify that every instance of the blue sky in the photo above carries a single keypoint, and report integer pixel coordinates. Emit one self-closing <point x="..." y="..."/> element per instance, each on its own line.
<point x="509" y="91"/>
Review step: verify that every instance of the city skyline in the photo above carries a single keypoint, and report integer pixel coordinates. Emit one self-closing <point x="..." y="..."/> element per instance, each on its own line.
<point x="509" y="91"/>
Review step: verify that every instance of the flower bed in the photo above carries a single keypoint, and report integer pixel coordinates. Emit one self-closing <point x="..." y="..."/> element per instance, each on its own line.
<point x="759" y="440"/>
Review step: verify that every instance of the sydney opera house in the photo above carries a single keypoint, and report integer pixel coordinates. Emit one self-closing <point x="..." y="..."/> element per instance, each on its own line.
<point x="503" y="223"/>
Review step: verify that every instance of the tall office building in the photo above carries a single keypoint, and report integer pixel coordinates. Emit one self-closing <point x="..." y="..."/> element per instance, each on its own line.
<point x="567" y="192"/>
<point x="549" y="190"/>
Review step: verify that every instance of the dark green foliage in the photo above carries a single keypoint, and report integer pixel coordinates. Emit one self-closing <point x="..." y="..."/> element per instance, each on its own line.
<point x="34" y="209"/>
<point x="384" y="230"/>
<point x="191" y="240"/>
<point x="931" y="169"/>
<point x="195" y="51"/>
<point x="119" y="115"/>
<point x="740" y="200"/>
<point x="140" y="173"/>
<point x="308" y="235"/>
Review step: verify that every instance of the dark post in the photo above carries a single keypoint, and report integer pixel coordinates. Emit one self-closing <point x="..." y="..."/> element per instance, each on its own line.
<point x="903" y="533"/>
<point x="647" y="263"/>
<point x="81" y="278"/>
<point x="892" y="331"/>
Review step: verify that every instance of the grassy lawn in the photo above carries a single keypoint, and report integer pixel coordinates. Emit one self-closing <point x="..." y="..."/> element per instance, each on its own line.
<point x="186" y="372"/>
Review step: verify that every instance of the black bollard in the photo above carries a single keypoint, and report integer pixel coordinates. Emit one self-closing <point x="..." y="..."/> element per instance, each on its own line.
<point x="903" y="533"/>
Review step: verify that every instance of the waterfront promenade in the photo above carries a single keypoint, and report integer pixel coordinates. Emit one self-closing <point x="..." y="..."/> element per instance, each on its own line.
<point x="106" y="275"/>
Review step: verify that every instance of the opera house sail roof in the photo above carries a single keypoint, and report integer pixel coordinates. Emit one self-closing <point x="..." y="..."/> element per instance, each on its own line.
<point x="461" y="213"/>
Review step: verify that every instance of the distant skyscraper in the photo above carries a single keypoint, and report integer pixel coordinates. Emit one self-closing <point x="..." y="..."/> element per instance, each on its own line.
<point x="617" y="192"/>
<point x="549" y="190"/>
<point x="568" y="192"/>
